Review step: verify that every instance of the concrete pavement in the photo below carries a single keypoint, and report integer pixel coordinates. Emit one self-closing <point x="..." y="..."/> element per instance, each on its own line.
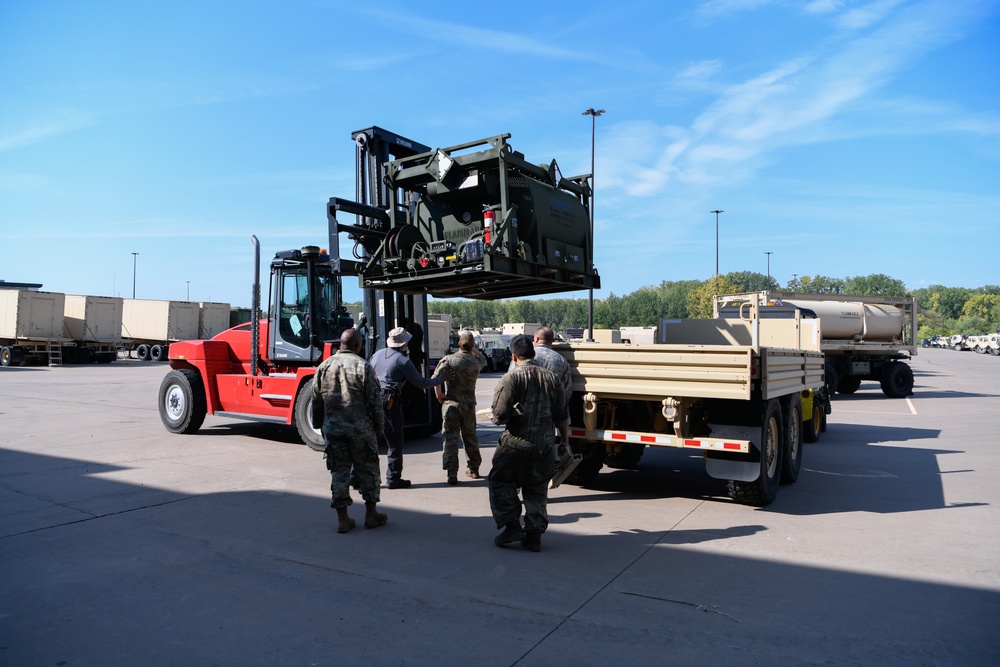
<point x="121" y="543"/>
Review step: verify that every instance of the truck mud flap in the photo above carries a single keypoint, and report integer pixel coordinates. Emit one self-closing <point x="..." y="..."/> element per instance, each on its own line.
<point x="728" y="469"/>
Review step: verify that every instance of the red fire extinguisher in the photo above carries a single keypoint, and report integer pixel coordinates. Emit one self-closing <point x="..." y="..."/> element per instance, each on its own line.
<point x="488" y="217"/>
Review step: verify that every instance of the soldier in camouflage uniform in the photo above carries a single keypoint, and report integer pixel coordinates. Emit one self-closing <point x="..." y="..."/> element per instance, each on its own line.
<point x="352" y="418"/>
<point x="530" y="402"/>
<point x="458" y="412"/>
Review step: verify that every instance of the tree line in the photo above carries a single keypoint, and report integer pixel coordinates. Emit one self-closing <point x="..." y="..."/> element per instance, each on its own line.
<point x="941" y="310"/>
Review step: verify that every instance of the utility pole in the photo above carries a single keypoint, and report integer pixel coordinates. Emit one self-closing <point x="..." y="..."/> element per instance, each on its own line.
<point x="590" y="293"/>
<point x="134" y="255"/>
<point x="717" y="240"/>
<point x="768" y="268"/>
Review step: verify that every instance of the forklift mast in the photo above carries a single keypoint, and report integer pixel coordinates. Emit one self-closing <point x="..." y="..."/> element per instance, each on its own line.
<point x="383" y="310"/>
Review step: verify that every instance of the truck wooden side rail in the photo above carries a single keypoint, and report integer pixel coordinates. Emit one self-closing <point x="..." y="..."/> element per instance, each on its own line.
<point x="746" y="392"/>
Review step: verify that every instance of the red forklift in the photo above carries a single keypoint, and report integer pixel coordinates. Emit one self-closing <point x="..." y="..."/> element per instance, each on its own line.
<point x="262" y="370"/>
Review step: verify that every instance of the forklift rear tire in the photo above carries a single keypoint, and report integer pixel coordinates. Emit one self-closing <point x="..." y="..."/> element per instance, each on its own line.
<point x="182" y="401"/>
<point x="303" y="422"/>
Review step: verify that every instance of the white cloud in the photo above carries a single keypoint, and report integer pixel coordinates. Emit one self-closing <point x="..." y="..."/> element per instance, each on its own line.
<point x="712" y="9"/>
<point x="868" y="15"/>
<point x="823" y="6"/>
<point x="702" y="69"/>
<point x="42" y="131"/>
<point x="800" y="101"/>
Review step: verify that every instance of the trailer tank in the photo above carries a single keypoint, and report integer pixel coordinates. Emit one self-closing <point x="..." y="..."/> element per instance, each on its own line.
<point x="848" y="320"/>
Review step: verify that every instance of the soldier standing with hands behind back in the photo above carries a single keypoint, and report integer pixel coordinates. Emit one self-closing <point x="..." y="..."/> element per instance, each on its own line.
<point x="458" y="400"/>
<point x="346" y="387"/>
<point x="530" y="402"/>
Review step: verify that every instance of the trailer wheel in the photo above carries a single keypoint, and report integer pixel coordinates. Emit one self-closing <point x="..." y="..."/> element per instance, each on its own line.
<point x="182" y="401"/>
<point x="142" y="352"/>
<point x="6" y="356"/>
<point x="762" y="490"/>
<point x="897" y="380"/>
<point x="156" y="353"/>
<point x="303" y="421"/>
<point x="848" y="385"/>
<point x="791" y="461"/>
<point x="812" y="428"/>
<point x="832" y="380"/>
<point x="593" y="460"/>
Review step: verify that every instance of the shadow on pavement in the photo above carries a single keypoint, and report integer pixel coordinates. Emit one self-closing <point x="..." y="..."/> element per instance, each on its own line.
<point x="261" y="577"/>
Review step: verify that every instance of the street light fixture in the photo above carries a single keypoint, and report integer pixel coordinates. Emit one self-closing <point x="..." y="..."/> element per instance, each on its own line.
<point x="768" y="268"/>
<point x="717" y="212"/>
<point x="590" y="293"/>
<point x="134" y="255"/>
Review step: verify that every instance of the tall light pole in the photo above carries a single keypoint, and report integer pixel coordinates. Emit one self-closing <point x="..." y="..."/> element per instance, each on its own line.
<point x="134" y="255"/>
<point x="717" y="212"/>
<point x="590" y="293"/>
<point x="189" y="290"/>
<point x="768" y="253"/>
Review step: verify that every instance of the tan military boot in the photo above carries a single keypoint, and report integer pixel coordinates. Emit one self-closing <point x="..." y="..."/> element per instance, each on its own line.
<point x="374" y="519"/>
<point x="344" y="522"/>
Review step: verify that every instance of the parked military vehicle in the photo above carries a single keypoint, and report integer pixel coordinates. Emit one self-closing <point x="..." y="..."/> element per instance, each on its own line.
<point x="864" y="337"/>
<point x="746" y="392"/>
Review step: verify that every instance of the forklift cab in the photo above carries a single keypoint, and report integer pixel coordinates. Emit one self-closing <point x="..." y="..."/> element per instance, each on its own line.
<point x="306" y="305"/>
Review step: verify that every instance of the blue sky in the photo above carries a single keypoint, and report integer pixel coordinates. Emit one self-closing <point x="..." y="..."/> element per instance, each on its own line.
<point x="845" y="137"/>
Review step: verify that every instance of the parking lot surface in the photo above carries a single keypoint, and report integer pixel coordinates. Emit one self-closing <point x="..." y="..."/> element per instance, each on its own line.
<point x="123" y="544"/>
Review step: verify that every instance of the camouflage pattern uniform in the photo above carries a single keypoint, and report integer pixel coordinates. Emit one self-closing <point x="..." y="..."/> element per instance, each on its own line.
<point x="525" y="456"/>
<point x="458" y="412"/>
<point x="549" y="359"/>
<point x="353" y="417"/>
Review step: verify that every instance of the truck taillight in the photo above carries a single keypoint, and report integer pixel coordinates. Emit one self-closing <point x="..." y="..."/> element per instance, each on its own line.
<point x="754" y="367"/>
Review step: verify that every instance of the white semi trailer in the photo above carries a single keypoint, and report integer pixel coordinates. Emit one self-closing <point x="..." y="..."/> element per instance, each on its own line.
<point x="151" y="325"/>
<point x="864" y="337"/>
<point x="31" y="327"/>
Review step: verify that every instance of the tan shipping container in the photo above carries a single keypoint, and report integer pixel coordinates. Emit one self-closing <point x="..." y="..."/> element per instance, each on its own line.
<point x="94" y="319"/>
<point x="31" y="314"/>
<point x="213" y="319"/>
<point x="161" y="321"/>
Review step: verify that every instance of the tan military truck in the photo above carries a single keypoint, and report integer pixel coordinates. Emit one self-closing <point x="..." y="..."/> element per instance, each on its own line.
<point x="745" y="391"/>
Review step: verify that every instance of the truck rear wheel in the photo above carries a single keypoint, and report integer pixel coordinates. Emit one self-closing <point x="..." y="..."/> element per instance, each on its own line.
<point x="626" y="458"/>
<point x="142" y="352"/>
<point x="814" y="426"/>
<point x="832" y="380"/>
<point x="593" y="460"/>
<point x="6" y="356"/>
<point x="182" y="401"/>
<point x="763" y="490"/>
<point x="158" y="353"/>
<point x="897" y="380"/>
<point x="791" y="461"/>
<point x="848" y="385"/>
<point x="303" y="418"/>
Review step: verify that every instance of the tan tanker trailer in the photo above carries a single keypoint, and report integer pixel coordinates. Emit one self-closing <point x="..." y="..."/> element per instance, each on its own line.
<point x="863" y="337"/>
